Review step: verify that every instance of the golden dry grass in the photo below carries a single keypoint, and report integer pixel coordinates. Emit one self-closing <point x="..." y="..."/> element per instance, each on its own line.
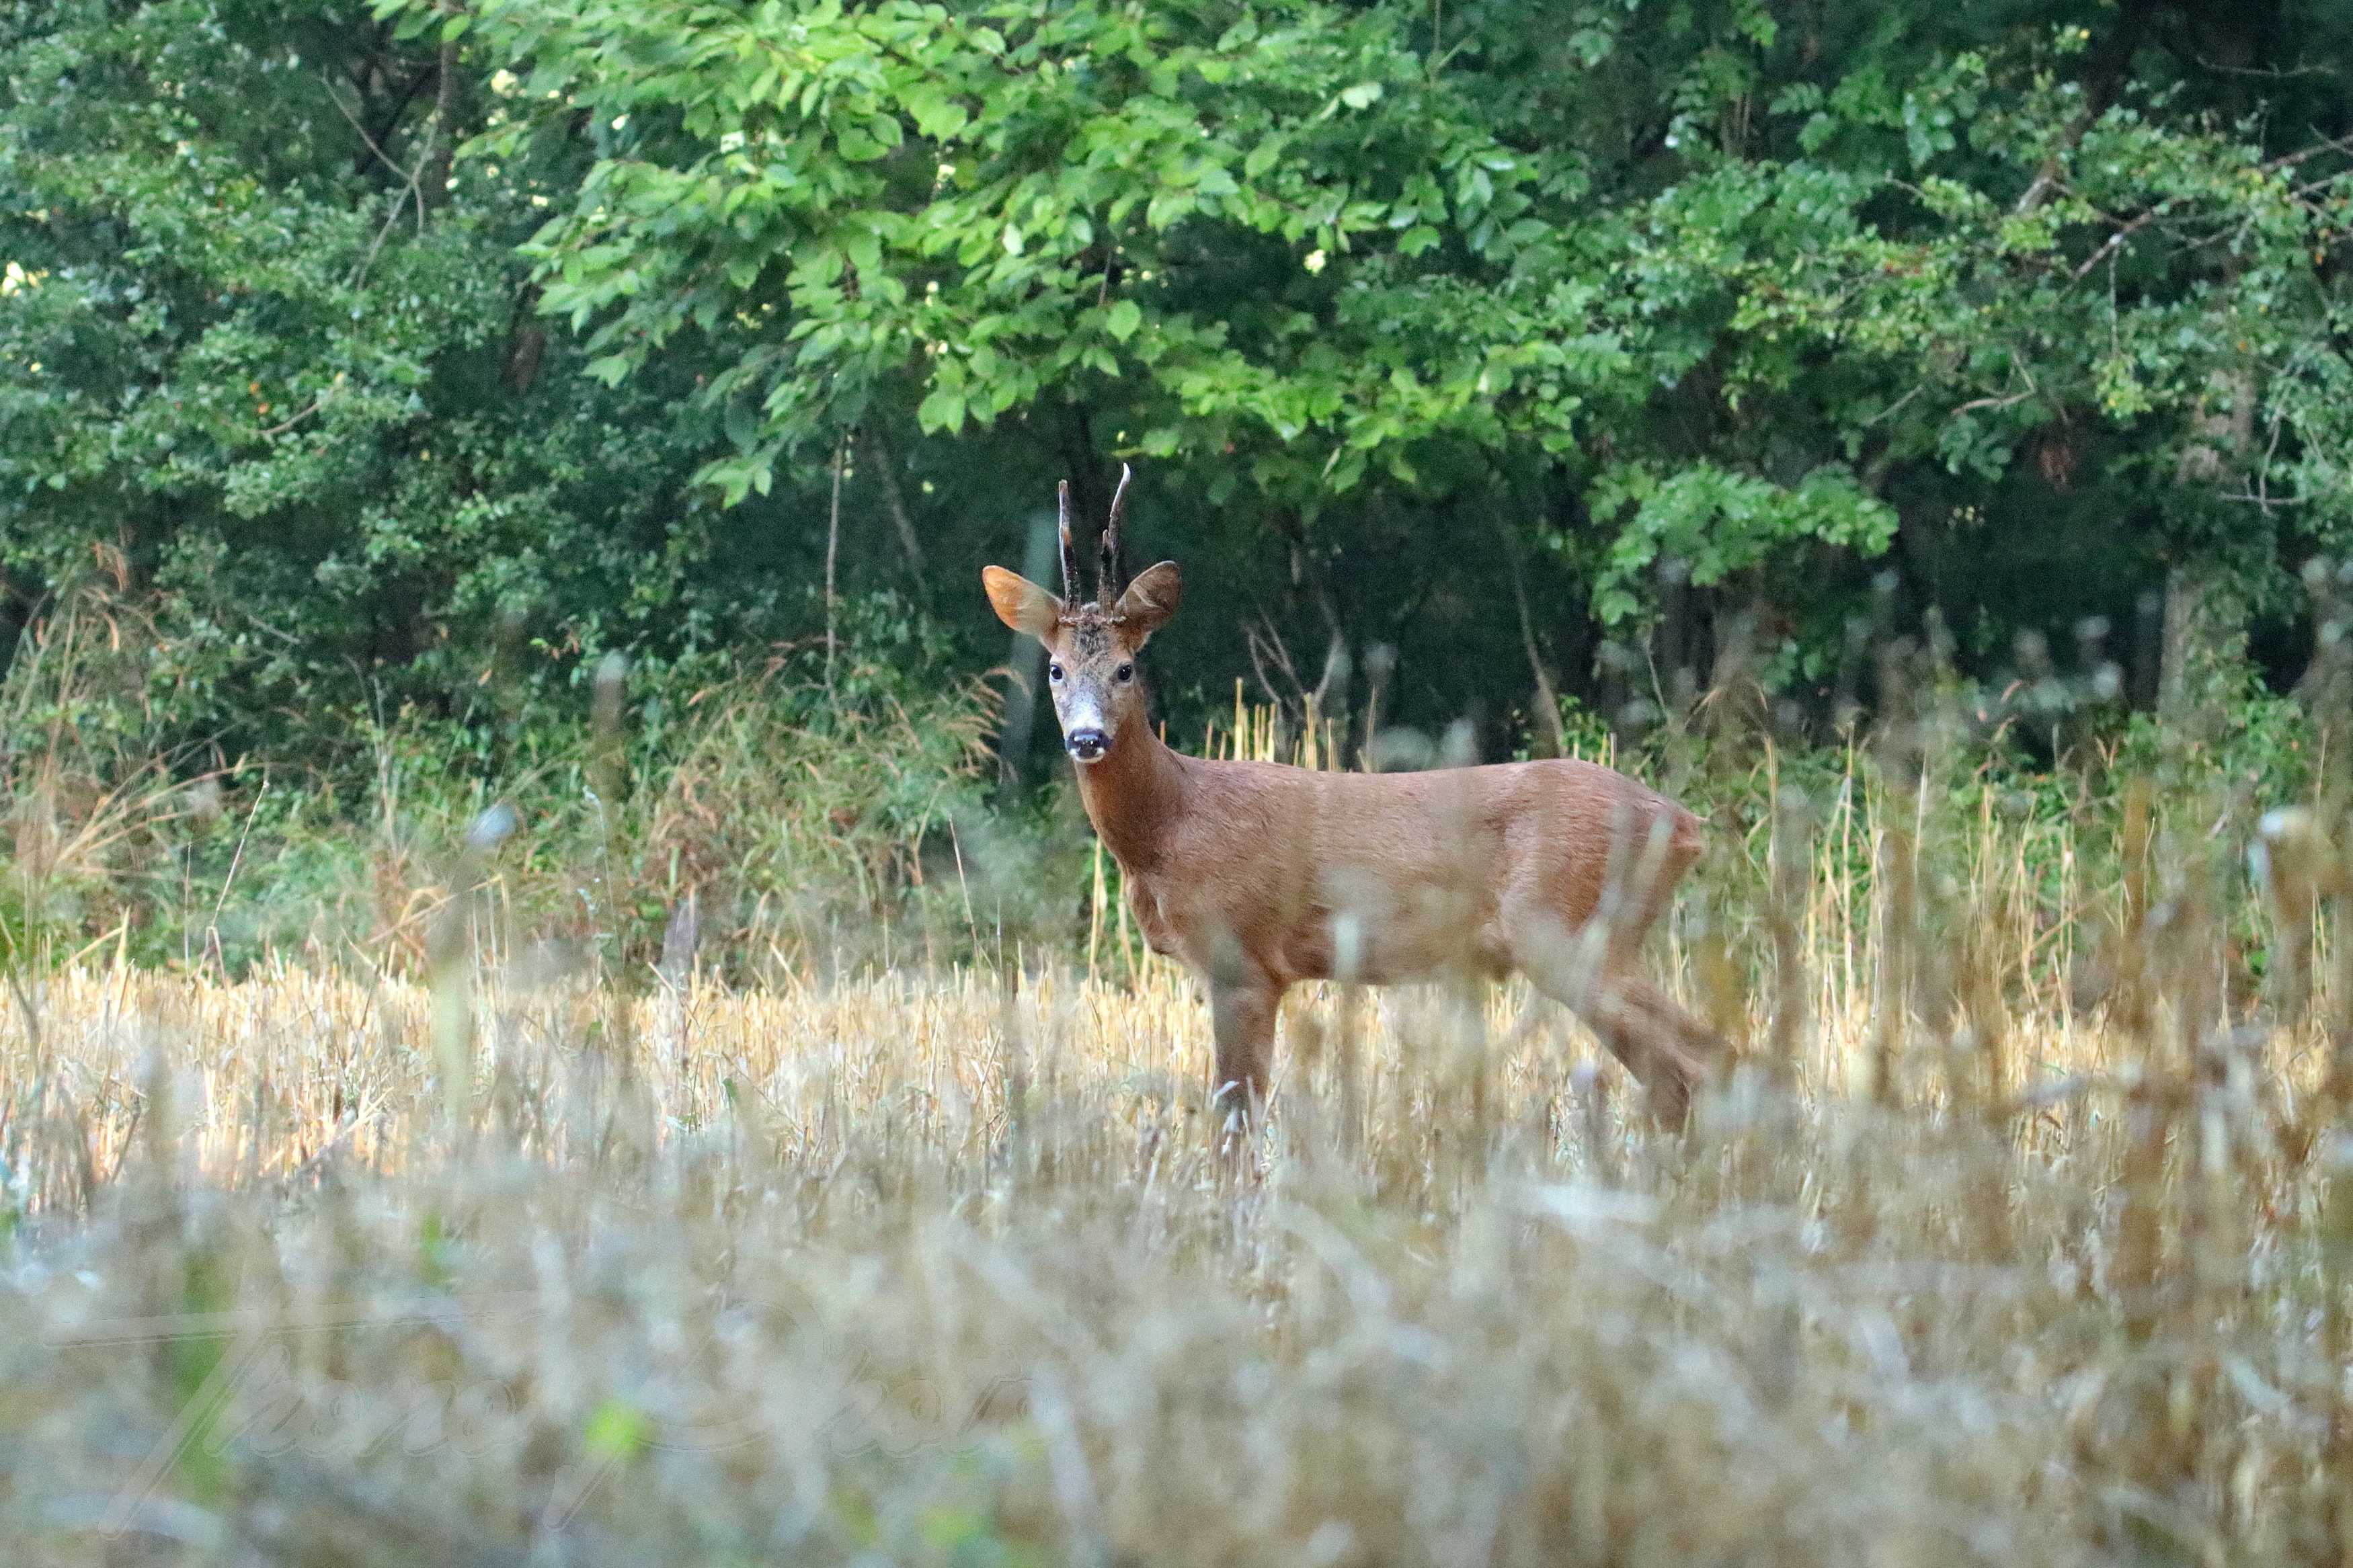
<point x="2015" y="1233"/>
<point x="942" y="1266"/>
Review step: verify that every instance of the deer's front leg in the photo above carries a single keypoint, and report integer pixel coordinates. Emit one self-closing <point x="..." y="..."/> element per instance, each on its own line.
<point x="1242" y="1017"/>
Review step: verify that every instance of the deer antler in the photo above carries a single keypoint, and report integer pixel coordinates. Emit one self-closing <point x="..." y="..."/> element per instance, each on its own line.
<point x="1108" y="584"/>
<point x="1069" y="551"/>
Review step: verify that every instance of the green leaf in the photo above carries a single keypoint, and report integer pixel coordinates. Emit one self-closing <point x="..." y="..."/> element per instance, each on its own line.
<point x="937" y="116"/>
<point x="743" y="423"/>
<point x="1121" y="320"/>
<point x="941" y="410"/>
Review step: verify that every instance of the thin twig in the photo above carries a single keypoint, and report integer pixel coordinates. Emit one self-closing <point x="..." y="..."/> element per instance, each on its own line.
<point x="2115" y="241"/>
<point x="2267" y="73"/>
<point x="336" y="98"/>
<point x="393" y="218"/>
<point x="412" y="186"/>
<point x="832" y="549"/>
<point x="212" y="926"/>
<point x="1265" y="643"/>
<point x="1891" y="409"/>
<point x="297" y="419"/>
<point x="1976" y="403"/>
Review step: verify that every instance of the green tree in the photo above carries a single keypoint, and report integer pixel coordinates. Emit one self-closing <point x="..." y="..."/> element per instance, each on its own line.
<point x="269" y="360"/>
<point x="1701" y="296"/>
<point x="1546" y="345"/>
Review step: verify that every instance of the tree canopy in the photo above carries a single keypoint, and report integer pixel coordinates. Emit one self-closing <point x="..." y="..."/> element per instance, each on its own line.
<point x="1551" y="345"/>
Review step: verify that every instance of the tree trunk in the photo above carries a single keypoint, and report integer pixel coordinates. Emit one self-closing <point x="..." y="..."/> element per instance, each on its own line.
<point x="1548" y="735"/>
<point x="878" y="448"/>
<point x="2205" y="651"/>
<point x="435" y="191"/>
<point x="2205" y="643"/>
<point x="16" y="604"/>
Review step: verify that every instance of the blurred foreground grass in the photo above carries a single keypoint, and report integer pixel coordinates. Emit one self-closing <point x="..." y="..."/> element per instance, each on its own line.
<point x="939" y="1267"/>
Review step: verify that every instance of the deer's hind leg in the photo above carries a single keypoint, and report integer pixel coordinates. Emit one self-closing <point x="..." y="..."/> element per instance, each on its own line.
<point x="1600" y="980"/>
<point x="1665" y="1046"/>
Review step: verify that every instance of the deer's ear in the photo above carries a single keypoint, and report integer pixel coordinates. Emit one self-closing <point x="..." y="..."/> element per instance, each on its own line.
<point x="1151" y="599"/>
<point x="1019" y="603"/>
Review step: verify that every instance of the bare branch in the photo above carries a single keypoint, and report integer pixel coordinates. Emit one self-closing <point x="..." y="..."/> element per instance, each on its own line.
<point x="1976" y="403"/>
<point x="382" y="157"/>
<point x="298" y="418"/>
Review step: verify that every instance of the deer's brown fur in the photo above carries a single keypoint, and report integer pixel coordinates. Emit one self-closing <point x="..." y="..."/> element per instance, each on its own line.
<point x="1258" y="876"/>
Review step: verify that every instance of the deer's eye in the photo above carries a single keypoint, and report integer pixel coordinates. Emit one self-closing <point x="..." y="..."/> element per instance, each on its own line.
<point x="1054" y="673"/>
<point x="1127" y="672"/>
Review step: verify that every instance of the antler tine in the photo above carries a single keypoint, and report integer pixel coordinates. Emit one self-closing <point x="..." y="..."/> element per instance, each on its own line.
<point x="1070" y="551"/>
<point x="1109" y="583"/>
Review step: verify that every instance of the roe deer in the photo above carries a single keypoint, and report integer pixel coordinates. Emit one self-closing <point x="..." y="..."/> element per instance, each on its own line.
<point x="1257" y="875"/>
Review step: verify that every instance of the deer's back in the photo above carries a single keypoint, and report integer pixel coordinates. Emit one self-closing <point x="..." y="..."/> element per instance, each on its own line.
<point x="1392" y="876"/>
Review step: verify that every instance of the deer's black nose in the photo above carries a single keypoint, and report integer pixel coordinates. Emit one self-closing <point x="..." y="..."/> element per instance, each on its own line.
<point x="1087" y="745"/>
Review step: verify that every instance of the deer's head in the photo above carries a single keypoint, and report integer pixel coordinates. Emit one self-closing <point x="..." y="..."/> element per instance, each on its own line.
<point x="1091" y="645"/>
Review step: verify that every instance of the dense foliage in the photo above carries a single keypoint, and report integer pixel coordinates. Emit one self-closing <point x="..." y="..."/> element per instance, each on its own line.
<point x="402" y="357"/>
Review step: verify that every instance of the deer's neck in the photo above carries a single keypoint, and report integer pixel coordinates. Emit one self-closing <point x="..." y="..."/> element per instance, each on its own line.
<point x="1133" y="796"/>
